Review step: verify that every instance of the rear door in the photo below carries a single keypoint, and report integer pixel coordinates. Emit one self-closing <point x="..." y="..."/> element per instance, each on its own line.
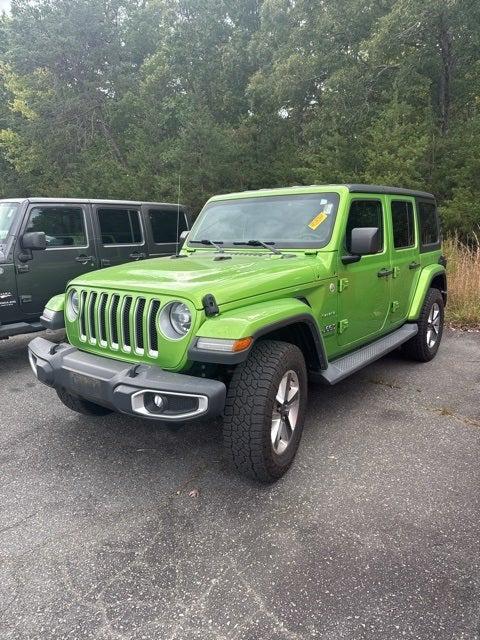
<point x="164" y="224"/>
<point x="70" y="252"/>
<point x="404" y="245"/>
<point x="120" y="233"/>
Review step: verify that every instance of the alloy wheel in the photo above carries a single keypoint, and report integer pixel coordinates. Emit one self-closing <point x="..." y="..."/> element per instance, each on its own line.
<point x="285" y="412"/>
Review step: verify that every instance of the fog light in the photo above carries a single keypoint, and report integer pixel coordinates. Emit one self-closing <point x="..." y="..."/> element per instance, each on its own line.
<point x="159" y="401"/>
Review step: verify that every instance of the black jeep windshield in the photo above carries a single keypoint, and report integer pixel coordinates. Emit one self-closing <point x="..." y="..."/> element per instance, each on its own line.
<point x="8" y="211"/>
<point x="292" y="221"/>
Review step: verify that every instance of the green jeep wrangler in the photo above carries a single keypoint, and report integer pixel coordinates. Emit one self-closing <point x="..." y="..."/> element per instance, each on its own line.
<point x="271" y="288"/>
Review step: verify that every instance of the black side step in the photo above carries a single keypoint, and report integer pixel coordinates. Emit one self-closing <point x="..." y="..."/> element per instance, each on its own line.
<point x="352" y="362"/>
<point x="17" y="328"/>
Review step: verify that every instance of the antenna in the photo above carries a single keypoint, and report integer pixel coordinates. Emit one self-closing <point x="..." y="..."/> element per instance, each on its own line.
<point x="178" y="218"/>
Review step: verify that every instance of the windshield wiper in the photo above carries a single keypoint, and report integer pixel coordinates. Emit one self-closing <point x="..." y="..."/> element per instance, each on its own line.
<point x="212" y="243"/>
<point x="259" y="243"/>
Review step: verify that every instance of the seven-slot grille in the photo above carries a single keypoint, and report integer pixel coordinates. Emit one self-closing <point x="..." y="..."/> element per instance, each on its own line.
<point x="119" y="322"/>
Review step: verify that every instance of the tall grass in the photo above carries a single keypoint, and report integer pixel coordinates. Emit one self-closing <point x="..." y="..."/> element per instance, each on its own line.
<point x="463" y="270"/>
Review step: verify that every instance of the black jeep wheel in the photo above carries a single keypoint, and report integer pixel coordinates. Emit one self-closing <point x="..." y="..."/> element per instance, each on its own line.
<point x="424" y="346"/>
<point x="265" y="410"/>
<point x="80" y="405"/>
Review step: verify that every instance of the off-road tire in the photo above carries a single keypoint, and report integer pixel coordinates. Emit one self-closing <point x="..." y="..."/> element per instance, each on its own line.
<point x="80" y="405"/>
<point x="417" y="347"/>
<point x="249" y="406"/>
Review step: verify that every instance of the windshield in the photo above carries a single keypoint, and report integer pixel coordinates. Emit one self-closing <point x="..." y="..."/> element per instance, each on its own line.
<point x="288" y="221"/>
<point x="8" y="211"/>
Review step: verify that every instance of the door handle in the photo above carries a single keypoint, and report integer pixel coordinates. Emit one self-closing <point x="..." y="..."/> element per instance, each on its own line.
<point x="83" y="259"/>
<point x="414" y="265"/>
<point x="138" y="256"/>
<point x="384" y="273"/>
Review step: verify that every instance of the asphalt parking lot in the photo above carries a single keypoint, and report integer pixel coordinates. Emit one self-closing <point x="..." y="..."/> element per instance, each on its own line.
<point x="114" y="528"/>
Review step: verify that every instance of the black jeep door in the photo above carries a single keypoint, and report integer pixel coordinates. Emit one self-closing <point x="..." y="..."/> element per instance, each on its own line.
<point x="70" y="252"/>
<point x="120" y="234"/>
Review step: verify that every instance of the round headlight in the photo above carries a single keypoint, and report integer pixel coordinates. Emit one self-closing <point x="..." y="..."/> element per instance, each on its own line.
<point x="73" y="305"/>
<point x="175" y="320"/>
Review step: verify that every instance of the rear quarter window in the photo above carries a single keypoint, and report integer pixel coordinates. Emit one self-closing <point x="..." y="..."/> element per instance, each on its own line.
<point x="429" y="225"/>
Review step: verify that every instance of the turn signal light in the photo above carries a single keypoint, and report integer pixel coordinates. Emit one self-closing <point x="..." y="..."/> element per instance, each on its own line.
<point x="242" y="344"/>
<point x="224" y="345"/>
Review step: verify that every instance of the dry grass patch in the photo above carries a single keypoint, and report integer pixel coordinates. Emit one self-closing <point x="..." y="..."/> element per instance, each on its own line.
<point x="463" y="269"/>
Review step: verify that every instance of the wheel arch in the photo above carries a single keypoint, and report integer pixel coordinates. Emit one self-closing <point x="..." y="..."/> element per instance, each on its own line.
<point x="303" y="333"/>
<point x="434" y="276"/>
<point x="290" y="320"/>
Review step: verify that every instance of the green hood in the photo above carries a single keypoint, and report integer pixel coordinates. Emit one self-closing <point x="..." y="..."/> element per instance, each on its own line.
<point x="192" y="277"/>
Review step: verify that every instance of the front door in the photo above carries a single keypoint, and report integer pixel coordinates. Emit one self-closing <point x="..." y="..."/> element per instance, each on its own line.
<point x="405" y="256"/>
<point x="120" y="232"/>
<point x="364" y="286"/>
<point x="70" y="252"/>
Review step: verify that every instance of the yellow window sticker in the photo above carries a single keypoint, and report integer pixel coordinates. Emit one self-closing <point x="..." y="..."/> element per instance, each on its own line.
<point x="317" y="221"/>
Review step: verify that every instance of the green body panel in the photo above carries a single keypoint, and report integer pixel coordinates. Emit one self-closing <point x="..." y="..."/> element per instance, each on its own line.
<point x="425" y="278"/>
<point x="254" y="288"/>
<point x="57" y="303"/>
<point x="245" y="275"/>
<point x="247" y="321"/>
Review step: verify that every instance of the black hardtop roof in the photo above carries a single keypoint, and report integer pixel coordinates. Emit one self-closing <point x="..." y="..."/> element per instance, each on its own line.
<point x="38" y="200"/>
<point x="395" y="191"/>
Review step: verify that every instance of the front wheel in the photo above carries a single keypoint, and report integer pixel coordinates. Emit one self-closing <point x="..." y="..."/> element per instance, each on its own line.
<point x="424" y="346"/>
<point x="265" y="410"/>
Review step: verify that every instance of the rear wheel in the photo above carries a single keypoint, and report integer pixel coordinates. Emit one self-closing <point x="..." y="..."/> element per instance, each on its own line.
<point x="424" y="346"/>
<point x="265" y="410"/>
<point x="80" y="405"/>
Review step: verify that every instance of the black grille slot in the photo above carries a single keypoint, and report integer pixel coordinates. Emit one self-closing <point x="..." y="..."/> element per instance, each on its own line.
<point x="127" y="305"/>
<point x="139" y="323"/>
<point x="115" y="321"/>
<point x="91" y="315"/>
<point x="113" y="318"/>
<point x="83" y="327"/>
<point x="152" y="325"/>
<point x="101" y="314"/>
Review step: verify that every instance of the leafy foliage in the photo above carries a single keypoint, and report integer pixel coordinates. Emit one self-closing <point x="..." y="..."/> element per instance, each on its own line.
<point x="120" y="98"/>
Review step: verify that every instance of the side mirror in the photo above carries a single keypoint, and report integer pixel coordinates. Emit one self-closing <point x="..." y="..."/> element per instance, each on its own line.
<point x="365" y="241"/>
<point x="34" y="241"/>
<point x="183" y="237"/>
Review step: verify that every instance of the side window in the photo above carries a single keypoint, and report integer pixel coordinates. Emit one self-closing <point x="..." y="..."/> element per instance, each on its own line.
<point x="64" y="227"/>
<point x="429" y="230"/>
<point x="120" y="226"/>
<point x="403" y="223"/>
<point x="164" y="225"/>
<point x="364" y="213"/>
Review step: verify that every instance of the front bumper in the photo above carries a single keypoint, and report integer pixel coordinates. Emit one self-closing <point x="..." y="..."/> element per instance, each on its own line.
<point x="131" y="389"/>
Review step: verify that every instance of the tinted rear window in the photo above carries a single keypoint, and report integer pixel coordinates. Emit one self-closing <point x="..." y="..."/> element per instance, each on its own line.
<point x="403" y="222"/>
<point x="120" y="226"/>
<point x="429" y="229"/>
<point x="164" y="225"/>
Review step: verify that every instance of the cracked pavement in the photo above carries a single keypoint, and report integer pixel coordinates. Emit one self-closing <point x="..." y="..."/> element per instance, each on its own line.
<point x="374" y="533"/>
